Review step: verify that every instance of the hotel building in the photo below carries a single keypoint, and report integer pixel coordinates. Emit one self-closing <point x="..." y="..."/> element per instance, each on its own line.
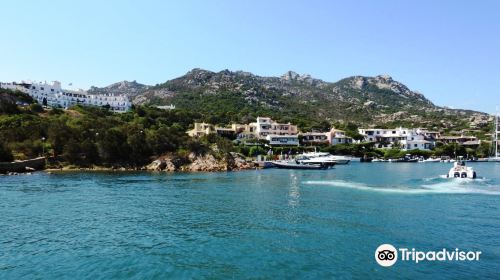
<point x="52" y="95"/>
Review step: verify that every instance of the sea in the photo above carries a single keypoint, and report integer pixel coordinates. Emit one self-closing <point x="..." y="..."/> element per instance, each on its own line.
<point x="255" y="224"/>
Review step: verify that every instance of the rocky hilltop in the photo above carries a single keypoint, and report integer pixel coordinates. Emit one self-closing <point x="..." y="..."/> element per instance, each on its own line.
<point x="131" y="89"/>
<point x="241" y="96"/>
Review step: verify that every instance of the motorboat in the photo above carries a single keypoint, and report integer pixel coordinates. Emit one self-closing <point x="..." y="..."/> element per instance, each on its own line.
<point x="327" y="157"/>
<point x="430" y="160"/>
<point x="406" y="158"/>
<point x="459" y="170"/>
<point x="298" y="165"/>
<point x="327" y="161"/>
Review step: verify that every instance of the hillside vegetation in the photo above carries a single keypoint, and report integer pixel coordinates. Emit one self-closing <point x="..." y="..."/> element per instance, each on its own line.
<point x="227" y="96"/>
<point x="88" y="136"/>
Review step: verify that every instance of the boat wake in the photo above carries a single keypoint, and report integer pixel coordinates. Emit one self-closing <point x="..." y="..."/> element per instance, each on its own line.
<point x="426" y="186"/>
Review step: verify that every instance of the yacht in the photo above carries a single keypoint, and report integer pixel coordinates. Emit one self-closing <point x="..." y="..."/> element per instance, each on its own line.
<point x="459" y="170"/>
<point x="315" y="160"/>
<point x="321" y="157"/>
<point x="430" y="160"/>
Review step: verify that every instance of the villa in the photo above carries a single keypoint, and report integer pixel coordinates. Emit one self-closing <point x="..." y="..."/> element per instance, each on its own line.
<point x="52" y="95"/>
<point x="264" y="129"/>
<point x="201" y="129"/>
<point x="266" y="126"/>
<point x="404" y="138"/>
<point x="315" y="138"/>
<point x="332" y="137"/>
<point x="456" y="139"/>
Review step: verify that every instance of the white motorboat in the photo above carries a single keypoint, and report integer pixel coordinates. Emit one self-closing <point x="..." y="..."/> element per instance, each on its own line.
<point x="326" y="157"/>
<point x="323" y="160"/>
<point x="459" y="170"/>
<point x="431" y="160"/>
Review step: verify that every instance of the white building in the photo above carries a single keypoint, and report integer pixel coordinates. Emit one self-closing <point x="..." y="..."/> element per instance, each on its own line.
<point x="263" y="129"/>
<point x="266" y="126"/>
<point x="403" y="138"/>
<point x="53" y="95"/>
<point x="337" y="136"/>
<point x="332" y="137"/>
<point x="166" y="107"/>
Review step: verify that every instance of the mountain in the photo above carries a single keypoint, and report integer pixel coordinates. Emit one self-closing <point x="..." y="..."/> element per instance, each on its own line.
<point x="131" y="89"/>
<point x="227" y="96"/>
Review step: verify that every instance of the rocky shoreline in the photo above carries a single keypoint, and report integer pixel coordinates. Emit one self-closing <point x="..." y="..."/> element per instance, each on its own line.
<point x="174" y="163"/>
<point x="196" y="163"/>
<point x="166" y="163"/>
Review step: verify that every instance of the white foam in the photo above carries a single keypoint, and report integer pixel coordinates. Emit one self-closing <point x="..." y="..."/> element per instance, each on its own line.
<point x="452" y="186"/>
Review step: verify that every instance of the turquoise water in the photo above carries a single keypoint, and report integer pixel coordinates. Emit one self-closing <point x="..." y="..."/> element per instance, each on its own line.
<point x="262" y="224"/>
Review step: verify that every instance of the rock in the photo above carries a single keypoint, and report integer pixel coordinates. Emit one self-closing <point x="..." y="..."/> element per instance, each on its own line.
<point x="369" y="104"/>
<point x="200" y="163"/>
<point x="163" y="164"/>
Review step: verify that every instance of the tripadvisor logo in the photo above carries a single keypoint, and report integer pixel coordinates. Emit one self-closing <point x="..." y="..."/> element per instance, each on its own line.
<point x="387" y="255"/>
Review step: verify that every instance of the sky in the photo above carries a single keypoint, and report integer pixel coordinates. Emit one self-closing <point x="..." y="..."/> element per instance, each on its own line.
<point x="447" y="50"/>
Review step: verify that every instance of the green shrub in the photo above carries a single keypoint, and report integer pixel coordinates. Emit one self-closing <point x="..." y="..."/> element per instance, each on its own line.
<point x="5" y="153"/>
<point x="36" y="108"/>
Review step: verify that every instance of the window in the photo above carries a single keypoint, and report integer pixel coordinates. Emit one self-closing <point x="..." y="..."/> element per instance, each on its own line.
<point x="41" y="88"/>
<point x="415" y="145"/>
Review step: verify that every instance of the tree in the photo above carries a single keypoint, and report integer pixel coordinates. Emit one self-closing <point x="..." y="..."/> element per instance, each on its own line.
<point x="393" y="153"/>
<point x="58" y="135"/>
<point x="197" y="147"/>
<point x="166" y="139"/>
<point x="322" y="126"/>
<point x="113" y="147"/>
<point x="37" y="108"/>
<point x="256" y="150"/>
<point x="139" y="148"/>
<point x="90" y="152"/>
<point x="44" y="101"/>
<point x="71" y="152"/>
<point x="5" y="153"/>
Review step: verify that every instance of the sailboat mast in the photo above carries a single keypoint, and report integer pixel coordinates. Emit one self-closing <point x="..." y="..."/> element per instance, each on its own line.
<point x="496" y="135"/>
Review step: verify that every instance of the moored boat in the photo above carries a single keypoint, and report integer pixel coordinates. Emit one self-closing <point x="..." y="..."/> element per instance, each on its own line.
<point x="323" y="160"/>
<point x="430" y="160"/>
<point x="406" y="158"/>
<point x="327" y="157"/>
<point x="298" y="165"/>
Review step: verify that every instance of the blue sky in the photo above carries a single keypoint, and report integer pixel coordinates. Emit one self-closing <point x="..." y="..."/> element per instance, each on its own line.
<point x="448" y="50"/>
